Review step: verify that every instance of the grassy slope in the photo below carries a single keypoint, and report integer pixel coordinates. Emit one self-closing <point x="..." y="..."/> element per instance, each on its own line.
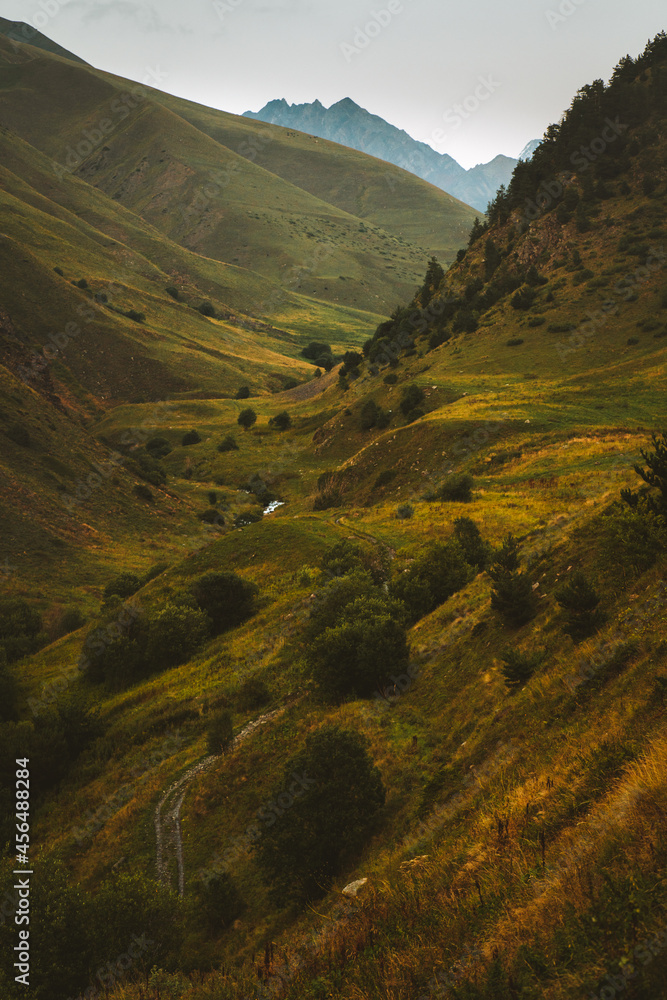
<point x="217" y="203"/>
<point x="548" y="453"/>
<point x="550" y="439"/>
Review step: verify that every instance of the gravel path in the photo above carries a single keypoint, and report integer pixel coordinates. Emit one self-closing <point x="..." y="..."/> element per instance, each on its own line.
<point x="168" y="837"/>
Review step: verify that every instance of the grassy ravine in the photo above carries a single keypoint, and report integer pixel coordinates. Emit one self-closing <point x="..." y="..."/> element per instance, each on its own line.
<point x="523" y="844"/>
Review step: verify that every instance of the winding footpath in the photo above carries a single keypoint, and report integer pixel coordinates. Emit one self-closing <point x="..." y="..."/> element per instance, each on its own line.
<point x="168" y="836"/>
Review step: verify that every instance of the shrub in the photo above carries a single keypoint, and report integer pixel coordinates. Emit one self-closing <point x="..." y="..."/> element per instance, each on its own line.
<point x="355" y="655"/>
<point x="390" y="379"/>
<point x="333" y="598"/>
<point x="431" y="579"/>
<point x="19" y="434"/>
<point x="404" y="511"/>
<point x="173" y="291"/>
<point x="477" y="552"/>
<point x="384" y="478"/>
<point x="81" y="283"/>
<point x="228" y="443"/>
<point x="412" y="396"/>
<point x="153" y="572"/>
<point x="342" y="558"/>
<point x="114" y="650"/>
<point x="246" y="518"/>
<point x="311" y="842"/>
<point x="207" y="309"/>
<point x="218" y="902"/>
<point x="190" y="437"/>
<point x="59" y="271"/>
<point x="124" y="585"/>
<point x="514" y="341"/>
<point x="175" y="633"/>
<point x="247" y="418"/>
<point x="71" y="621"/>
<point x="142" y="491"/>
<point x="211" y="516"/>
<point x="253" y="693"/>
<point x="456" y="489"/>
<point x="220" y="732"/>
<point x="633" y="537"/>
<point x="137" y="317"/>
<point x="243" y="392"/>
<point x="158" y="447"/>
<point x="536" y="321"/>
<point x="369" y="414"/>
<point x="282" y="421"/>
<point x="524" y="298"/>
<point x="212" y="497"/>
<point x="519" y="667"/>
<point x="512" y="597"/>
<point x="580" y="602"/>
<point x="226" y="598"/>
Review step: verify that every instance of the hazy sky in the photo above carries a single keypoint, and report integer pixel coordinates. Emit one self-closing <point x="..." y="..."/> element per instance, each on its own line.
<point x="512" y="68"/>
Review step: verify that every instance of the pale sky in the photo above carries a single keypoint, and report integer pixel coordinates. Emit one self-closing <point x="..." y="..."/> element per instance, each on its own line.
<point x="409" y="61"/>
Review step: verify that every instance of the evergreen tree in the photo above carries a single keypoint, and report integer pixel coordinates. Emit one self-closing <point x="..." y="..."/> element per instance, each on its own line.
<point x="512" y="597"/>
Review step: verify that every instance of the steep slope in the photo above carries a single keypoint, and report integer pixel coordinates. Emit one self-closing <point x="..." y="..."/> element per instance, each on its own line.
<point x="21" y="33"/>
<point x="345" y="122"/>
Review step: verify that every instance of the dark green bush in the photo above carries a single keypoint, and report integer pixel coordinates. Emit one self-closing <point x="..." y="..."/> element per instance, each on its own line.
<point x="228" y="443"/>
<point x="20" y="628"/>
<point x="431" y="579"/>
<point x="519" y="667"/>
<point x="220" y="732"/>
<point x="456" y="489"/>
<point x="310" y="843"/>
<point x="252" y="694"/>
<point x="580" y="602"/>
<point x="477" y="552"/>
<point x="173" y="291"/>
<point x="390" y="379"/>
<point x="142" y="491"/>
<point x="124" y="585"/>
<point x="243" y="392"/>
<point x="137" y="317"/>
<point x="218" y="902"/>
<point x="512" y="597"/>
<point x="247" y="418"/>
<point x="514" y="341"/>
<point x="190" y="437"/>
<point x="158" y="447"/>
<point x="281" y="421"/>
<point x="207" y="309"/>
<point x="81" y="283"/>
<point x="226" y="598"/>
<point x="19" y="434"/>
<point x="404" y="511"/>
<point x="412" y="396"/>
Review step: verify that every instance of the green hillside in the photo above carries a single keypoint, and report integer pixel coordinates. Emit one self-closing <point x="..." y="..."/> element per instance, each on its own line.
<point x="452" y="545"/>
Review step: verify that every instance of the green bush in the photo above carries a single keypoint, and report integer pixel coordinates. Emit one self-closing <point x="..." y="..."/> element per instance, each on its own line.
<point x="633" y="537"/>
<point x="243" y="392"/>
<point x="158" y="447"/>
<point x="514" y="342"/>
<point x="580" y="602"/>
<point x="476" y="551"/>
<point x="190" y="437"/>
<point x="218" y="902"/>
<point x="404" y="511"/>
<point x="281" y="421"/>
<point x="247" y="418"/>
<point x="252" y="693"/>
<point x="337" y="793"/>
<point x="175" y="633"/>
<point x="412" y="396"/>
<point x="354" y="656"/>
<point x="20" y="628"/>
<point x="226" y="598"/>
<point x="228" y="443"/>
<point x="519" y="667"/>
<point x="136" y="317"/>
<point x="142" y="491"/>
<point x="124" y="585"/>
<point x="384" y="478"/>
<point x="512" y="597"/>
<point x="81" y="283"/>
<point x="342" y="558"/>
<point x="211" y="516"/>
<point x="334" y="597"/>
<point x="390" y="379"/>
<point x="247" y="517"/>
<point x="220" y="732"/>
<point x="432" y="579"/>
<point x="207" y="309"/>
<point x="19" y="434"/>
<point x="173" y="291"/>
<point x="456" y="489"/>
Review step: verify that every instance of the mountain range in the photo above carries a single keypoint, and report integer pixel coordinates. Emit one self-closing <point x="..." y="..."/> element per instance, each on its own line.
<point x="347" y="123"/>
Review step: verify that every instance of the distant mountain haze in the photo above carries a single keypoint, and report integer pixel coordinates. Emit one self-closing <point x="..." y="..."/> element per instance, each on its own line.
<point x="350" y="125"/>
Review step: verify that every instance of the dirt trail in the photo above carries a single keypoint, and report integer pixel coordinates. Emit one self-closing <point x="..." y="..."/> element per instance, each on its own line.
<point x="168" y="838"/>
